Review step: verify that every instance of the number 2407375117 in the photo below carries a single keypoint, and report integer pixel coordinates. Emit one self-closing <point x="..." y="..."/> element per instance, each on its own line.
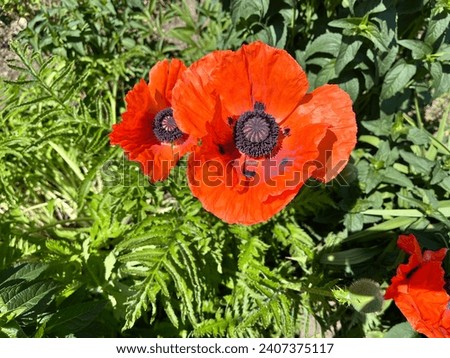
<point x="296" y="348"/>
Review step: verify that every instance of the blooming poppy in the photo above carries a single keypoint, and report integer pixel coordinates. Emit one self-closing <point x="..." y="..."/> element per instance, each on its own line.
<point x="262" y="136"/>
<point x="419" y="291"/>
<point x="148" y="132"/>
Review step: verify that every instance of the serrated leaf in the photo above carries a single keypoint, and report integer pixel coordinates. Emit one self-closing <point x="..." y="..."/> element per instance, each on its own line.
<point x="397" y="78"/>
<point x="23" y="272"/>
<point x="74" y="318"/>
<point x="23" y="297"/>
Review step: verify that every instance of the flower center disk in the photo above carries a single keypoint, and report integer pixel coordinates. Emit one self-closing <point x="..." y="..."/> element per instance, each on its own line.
<point x="165" y="127"/>
<point x="256" y="132"/>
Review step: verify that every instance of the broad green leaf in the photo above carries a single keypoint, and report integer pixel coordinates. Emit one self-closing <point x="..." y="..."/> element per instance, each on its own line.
<point x="274" y="34"/>
<point x="397" y="78"/>
<point x="22" y="297"/>
<point x="421" y="165"/>
<point x="401" y="330"/>
<point x="418" y="48"/>
<point x="74" y="318"/>
<point x="347" y="53"/>
<point x="369" y="7"/>
<point x="441" y="80"/>
<point x="436" y="27"/>
<point x="327" y="43"/>
<point x="350" y="23"/>
<point x="418" y="136"/>
<point x="354" y="221"/>
<point x="373" y="34"/>
<point x="243" y="9"/>
<point x="351" y="86"/>
<point x="379" y="127"/>
<point x="23" y="272"/>
<point x="385" y="60"/>
<point x="368" y="176"/>
<point x="326" y="74"/>
<point x="393" y="176"/>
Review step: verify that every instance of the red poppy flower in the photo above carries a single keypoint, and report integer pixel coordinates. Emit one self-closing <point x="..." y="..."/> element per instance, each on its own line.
<point x="148" y="132"/>
<point x="261" y="135"/>
<point x="418" y="289"/>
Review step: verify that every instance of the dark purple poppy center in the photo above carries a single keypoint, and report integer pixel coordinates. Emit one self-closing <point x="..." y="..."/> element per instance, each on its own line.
<point x="256" y="132"/>
<point x="165" y="127"/>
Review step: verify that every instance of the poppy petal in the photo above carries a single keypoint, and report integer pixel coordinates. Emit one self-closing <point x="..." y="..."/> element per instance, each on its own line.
<point x="276" y="79"/>
<point x="242" y="190"/>
<point x="331" y="105"/>
<point x="162" y="79"/>
<point x="134" y="133"/>
<point x="195" y="97"/>
<point x="418" y="289"/>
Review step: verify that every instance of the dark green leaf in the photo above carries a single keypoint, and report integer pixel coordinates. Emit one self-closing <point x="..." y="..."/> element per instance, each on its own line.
<point x="436" y="27"/>
<point x="326" y="74"/>
<point x="441" y="80"/>
<point x="350" y="257"/>
<point x="351" y="86"/>
<point x="348" y="23"/>
<point x="23" y="272"/>
<point x="24" y="297"/>
<point x="347" y="53"/>
<point x="369" y="7"/>
<point x="397" y="78"/>
<point x="421" y="165"/>
<point x="327" y="43"/>
<point x="419" y="49"/>
<point x="393" y="176"/>
<point x="74" y="318"/>
<point x="243" y="9"/>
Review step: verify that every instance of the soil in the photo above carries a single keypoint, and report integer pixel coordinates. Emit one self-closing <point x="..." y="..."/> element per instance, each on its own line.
<point x="8" y="33"/>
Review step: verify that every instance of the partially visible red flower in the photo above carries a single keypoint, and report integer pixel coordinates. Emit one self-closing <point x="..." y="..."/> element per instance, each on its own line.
<point x="419" y="291"/>
<point x="149" y="133"/>
<point x="261" y="135"/>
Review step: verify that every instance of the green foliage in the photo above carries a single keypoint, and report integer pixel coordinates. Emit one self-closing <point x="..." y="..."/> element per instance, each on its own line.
<point x="89" y="248"/>
<point x="10" y="8"/>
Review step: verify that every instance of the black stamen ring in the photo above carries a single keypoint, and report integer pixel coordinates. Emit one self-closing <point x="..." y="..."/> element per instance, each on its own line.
<point x="256" y="132"/>
<point x="165" y="127"/>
